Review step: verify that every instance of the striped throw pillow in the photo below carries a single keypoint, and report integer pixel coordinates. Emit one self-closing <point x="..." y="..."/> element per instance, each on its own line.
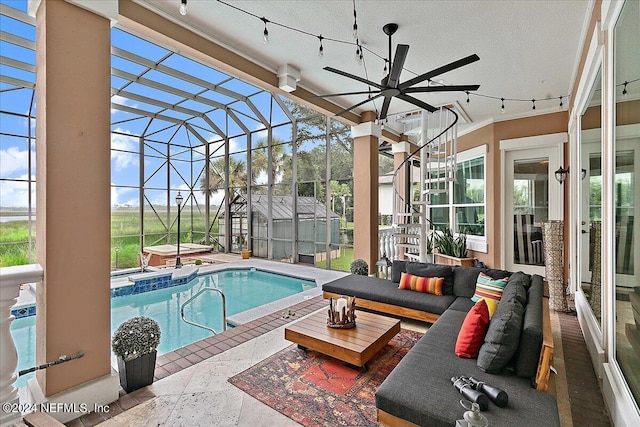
<point x="488" y="287"/>
<point x="429" y="285"/>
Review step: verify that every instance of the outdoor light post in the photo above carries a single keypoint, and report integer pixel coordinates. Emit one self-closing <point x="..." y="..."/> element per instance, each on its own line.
<point x="179" y="203"/>
<point x="117" y="248"/>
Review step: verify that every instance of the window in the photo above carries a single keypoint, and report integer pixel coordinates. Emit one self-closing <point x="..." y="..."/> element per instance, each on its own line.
<point x="460" y="204"/>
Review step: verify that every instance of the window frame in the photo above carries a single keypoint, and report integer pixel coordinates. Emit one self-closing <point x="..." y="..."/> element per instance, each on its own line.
<point x="474" y="242"/>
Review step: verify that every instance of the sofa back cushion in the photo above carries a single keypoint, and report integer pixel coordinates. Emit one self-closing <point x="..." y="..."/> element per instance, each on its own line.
<point x="464" y="280"/>
<point x="528" y="354"/>
<point x="429" y="285"/>
<point x="397" y="268"/>
<point x="433" y="270"/>
<point x="516" y="289"/>
<point x="503" y="337"/>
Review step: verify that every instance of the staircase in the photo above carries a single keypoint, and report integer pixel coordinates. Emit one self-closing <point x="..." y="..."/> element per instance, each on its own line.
<point x="437" y="136"/>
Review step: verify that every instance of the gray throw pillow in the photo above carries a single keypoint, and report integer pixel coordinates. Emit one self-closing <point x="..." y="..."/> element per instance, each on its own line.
<point x="502" y="338"/>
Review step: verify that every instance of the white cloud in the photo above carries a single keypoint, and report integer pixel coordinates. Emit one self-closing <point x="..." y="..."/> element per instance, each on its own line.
<point x="16" y="194"/>
<point x="118" y="192"/>
<point x="14" y="160"/>
<point x="127" y="143"/>
<point x="117" y="99"/>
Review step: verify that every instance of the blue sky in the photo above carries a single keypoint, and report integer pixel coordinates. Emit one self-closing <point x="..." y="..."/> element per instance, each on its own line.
<point x="15" y="152"/>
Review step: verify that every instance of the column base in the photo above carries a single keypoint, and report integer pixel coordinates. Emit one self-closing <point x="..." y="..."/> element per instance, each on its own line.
<point x="92" y="396"/>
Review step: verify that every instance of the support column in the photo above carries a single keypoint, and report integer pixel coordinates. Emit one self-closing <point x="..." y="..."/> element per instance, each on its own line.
<point x="366" y="140"/>
<point x="401" y="151"/>
<point x="73" y="200"/>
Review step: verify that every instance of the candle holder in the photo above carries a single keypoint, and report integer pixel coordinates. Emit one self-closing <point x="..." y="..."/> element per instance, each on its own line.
<point x="342" y="313"/>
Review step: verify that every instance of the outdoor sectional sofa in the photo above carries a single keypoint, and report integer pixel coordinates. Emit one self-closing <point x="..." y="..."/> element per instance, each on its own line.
<point x="419" y="392"/>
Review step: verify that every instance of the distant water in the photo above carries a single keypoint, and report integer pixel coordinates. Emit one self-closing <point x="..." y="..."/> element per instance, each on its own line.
<point x="16" y="218"/>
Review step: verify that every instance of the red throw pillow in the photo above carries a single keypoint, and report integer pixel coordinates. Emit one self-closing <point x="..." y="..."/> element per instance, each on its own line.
<point x="429" y="285"/>
<point x="473" y="330"/>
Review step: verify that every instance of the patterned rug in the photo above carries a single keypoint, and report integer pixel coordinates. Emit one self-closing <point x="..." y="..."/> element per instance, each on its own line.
<point x="317" y="390"/>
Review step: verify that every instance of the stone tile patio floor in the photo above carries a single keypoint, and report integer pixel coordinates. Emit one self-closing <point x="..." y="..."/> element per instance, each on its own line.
<point x="191" y="385"/>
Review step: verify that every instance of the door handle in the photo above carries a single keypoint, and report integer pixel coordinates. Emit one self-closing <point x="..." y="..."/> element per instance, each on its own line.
<point x="584" y="232"/>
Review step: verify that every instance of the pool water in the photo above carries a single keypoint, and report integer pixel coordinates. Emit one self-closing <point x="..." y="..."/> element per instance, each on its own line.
<point x="243" y="289"/>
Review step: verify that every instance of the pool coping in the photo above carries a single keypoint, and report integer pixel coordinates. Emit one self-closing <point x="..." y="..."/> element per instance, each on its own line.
<point x="178" y="360"/>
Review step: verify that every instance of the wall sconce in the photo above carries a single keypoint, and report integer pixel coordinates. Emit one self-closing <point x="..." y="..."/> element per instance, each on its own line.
<point x="561" y="174"/>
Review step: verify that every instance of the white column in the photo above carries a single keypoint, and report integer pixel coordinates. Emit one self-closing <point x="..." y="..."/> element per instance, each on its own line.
<point x="10" y="280"/>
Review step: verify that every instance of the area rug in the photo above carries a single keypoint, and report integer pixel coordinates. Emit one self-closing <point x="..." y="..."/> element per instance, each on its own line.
<point x="316" y="390"/>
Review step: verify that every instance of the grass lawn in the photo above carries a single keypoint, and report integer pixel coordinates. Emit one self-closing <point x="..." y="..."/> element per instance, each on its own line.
<point x="340" y="264"/>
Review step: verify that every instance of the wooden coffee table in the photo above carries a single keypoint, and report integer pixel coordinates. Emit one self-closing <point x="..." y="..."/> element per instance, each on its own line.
<point x="354" y="346"/>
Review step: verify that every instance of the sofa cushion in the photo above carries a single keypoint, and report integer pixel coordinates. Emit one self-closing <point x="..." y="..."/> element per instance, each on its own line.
<point x="516" y="289"/>
<point x="503" y="337"/>
<point x="488" y="287"/>
<point x="462" y="304"/>
<point x="474" y="327"/>
<point x="433" y="270"/>
<point x="397" y="268"/>
<point x="419" y="388"/>
<point x="464" y="280"/>
<point x="528" y="354"/>
<point x="385" y="291"/>
<point x="498" y="274"/>
<point x="429" y="285"/>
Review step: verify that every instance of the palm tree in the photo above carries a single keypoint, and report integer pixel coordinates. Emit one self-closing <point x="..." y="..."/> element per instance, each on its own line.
<point x="237" y="175"/>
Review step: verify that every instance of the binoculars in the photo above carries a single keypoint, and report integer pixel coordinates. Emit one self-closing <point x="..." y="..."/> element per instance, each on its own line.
<point x="480" y="392"/>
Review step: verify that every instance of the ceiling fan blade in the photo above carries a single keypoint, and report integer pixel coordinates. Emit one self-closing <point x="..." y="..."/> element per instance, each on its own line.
<point x="354" y="77"/>
<point x="417" y="103"/>
<point x="363" y="92"/>
<point x="451" y="88"/>
<point x="385" y="107"/>
<point x="398" y="63"/>
<point x="440" y="70"/>
<point x="358" y="104"/>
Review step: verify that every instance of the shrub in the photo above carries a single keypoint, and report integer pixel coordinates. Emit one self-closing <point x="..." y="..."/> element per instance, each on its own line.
<point x="360" y="267"/>
<point x="198" y="262"/>
<point x="136" y="337"/>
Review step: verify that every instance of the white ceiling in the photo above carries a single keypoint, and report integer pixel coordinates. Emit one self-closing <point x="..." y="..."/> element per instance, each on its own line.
<point x="527" y="49"/>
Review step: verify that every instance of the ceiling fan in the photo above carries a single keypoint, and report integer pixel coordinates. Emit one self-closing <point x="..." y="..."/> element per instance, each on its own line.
<point x="391" y="86"/>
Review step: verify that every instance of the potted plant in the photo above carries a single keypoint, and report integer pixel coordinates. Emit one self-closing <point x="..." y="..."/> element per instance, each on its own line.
<point x="360" y="267"/>
<point x="450" y="249"/>
<point x="134" y="343"/>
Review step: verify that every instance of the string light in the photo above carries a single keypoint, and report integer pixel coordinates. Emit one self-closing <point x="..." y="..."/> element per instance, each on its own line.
<point x="355" y="22"/>
<point x="360" y="50"/>
<point x="502" y="107"/>
<point x="265" y="33"/>
<point x="183" y="7"/>
<point x="624" y="89"/>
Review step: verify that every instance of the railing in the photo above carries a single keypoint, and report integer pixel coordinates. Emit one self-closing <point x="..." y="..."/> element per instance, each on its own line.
<point x="390" y="242"/>
<point x="10" y="280"/>
<point x="224" y="310"/>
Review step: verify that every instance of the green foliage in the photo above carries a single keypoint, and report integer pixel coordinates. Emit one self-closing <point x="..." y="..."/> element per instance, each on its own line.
<point x="360" y="267"/>
<point x="136" y="337"/>
<point x="448" y="244"/>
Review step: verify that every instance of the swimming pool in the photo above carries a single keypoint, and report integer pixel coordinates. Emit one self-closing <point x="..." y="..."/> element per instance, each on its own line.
<point x="244" y="289"/>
